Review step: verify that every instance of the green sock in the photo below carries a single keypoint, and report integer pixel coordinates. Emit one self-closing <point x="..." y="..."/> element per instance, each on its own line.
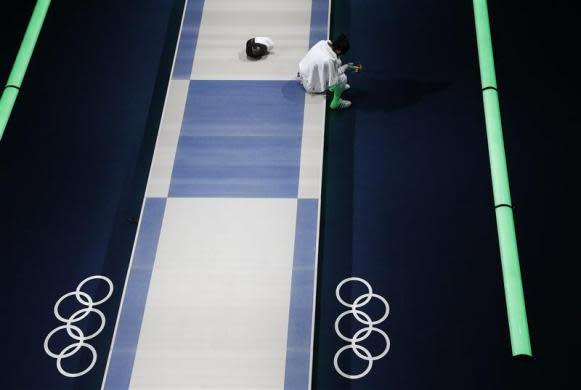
<point x="337" y="90"/>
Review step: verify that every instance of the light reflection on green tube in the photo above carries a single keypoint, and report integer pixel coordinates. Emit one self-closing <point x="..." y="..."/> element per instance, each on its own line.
<point x="21" y="62"/>
<point x="513" y="289"/>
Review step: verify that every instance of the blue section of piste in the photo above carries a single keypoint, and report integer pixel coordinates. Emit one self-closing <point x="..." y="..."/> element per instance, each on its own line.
<point x="298" y="353"/>
<point x="240" y="139"/>
<point x="188" y="39"/>
<point x="319" y="21"/>
<point x="135" y="295"/>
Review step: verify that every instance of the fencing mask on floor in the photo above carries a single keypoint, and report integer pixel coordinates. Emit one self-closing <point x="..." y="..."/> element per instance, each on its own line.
<point x="255" y="50"/>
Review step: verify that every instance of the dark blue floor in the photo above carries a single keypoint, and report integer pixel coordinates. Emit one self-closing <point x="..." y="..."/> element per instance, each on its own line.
<point x="408" y="200"/>
<point x="73" y="165"/>
<point x="407" y="197"/>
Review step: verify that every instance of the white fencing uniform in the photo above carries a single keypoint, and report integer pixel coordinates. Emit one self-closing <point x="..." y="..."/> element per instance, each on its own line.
<point x="321" y="68"/>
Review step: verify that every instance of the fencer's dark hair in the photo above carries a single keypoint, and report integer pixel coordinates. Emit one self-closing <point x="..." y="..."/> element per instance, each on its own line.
<point x="341" y="43"/>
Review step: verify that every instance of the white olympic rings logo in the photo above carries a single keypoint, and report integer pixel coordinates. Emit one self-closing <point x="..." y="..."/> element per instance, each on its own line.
<point x="74" y="331"/>
<point x="363" y="333"/>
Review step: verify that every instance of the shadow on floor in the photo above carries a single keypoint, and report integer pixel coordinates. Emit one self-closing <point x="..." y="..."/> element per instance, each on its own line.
<point x="374" y="94"/>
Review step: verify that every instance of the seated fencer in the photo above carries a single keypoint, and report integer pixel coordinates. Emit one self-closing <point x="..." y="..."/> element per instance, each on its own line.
<point x="322" y="70"/>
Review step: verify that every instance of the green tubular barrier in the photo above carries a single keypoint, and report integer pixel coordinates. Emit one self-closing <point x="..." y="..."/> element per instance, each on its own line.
<point x="513" y="289"/>
<point x="21" y="62"/>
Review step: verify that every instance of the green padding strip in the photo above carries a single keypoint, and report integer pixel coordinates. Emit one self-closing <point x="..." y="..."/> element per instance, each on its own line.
<point x="513" y="289"/>
<point x="6" y="103"/>
<point x="485" y="57"/>
<point x="498" y="169"/>
<point x="21" y="62"/>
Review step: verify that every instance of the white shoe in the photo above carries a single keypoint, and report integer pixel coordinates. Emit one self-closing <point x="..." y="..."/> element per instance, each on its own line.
<point x="343" y="104"/>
